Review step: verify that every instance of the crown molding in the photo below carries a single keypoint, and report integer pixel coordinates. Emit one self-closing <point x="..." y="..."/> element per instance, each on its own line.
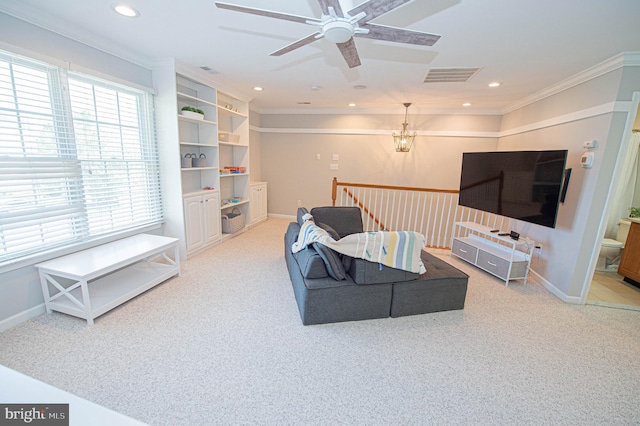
<point x="607" y="108"/>
<point x="372" y="111"/>
<point x="371" y="132"/>
<point x="621" y="60"/>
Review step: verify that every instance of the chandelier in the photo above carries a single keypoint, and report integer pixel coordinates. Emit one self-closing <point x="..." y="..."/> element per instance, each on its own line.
<point x="404" y="140"/>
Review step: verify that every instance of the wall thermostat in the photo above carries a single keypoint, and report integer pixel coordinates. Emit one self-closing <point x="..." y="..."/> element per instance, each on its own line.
<point x="586" y="160"/>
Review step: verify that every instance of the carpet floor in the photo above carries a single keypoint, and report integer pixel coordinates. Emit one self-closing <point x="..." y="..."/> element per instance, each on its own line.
<point x="224" y="344"/>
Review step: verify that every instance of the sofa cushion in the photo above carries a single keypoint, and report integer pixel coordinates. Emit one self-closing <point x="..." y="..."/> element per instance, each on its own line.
<point x="365" y="272"/>
<point x="345" y="220"/>
<point x="332" y="261"/>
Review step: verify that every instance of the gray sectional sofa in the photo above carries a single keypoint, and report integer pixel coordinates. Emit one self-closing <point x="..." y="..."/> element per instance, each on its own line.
<point x="330" y="287"/>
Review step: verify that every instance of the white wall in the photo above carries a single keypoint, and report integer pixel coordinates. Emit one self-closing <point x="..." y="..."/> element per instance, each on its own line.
<point x="595" y="109"/>
<point x="291" y="144"/>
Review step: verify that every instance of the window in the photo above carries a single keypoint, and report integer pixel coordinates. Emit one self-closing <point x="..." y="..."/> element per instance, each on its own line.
<point x="78" y="158"/>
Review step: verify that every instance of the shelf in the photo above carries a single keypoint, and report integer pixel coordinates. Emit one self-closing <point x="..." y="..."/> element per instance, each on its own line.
<point x="226" y="111"/>
<point x="232" y="144"/>
<point x="229" y="205"/>
<point x="112" y="290"/>
<point x="492" y="247"/>
<point x="196" y="121"/>
<point x="187" y="169"/>
<point x="199" y="192"/>
<point x="185" y="97"/>
<point x="485" y="230"/>
<point x="235" y="174"/>
<point x="201" y="145"/>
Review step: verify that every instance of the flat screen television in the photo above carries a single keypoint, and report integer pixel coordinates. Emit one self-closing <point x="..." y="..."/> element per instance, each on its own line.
<point x="524" y="185"/>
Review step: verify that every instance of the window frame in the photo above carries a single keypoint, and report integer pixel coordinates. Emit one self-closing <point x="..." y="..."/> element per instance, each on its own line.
<point x="145" y="124"/>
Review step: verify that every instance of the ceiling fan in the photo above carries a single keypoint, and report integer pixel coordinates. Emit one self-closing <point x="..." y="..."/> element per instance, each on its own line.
<point x="340" y="28"/>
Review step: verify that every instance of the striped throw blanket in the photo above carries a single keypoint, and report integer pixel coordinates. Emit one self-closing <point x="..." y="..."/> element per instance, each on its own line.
<point x="395" y="249"/>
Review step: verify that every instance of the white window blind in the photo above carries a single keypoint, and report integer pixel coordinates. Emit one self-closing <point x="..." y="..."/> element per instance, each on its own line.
<point x="78" y="158"/>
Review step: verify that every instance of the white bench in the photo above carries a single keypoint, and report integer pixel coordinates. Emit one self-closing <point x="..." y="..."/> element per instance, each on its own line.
<point x="91" y="282"/>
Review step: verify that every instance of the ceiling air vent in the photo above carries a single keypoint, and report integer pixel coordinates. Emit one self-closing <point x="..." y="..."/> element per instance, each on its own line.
<point x="449" y="75"/>
<point x="209" y="70"/>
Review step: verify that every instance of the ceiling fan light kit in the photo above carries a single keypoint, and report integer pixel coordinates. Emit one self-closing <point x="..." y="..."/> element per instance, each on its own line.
<point x="341" y="28"/>
<point x="337" y="31"/>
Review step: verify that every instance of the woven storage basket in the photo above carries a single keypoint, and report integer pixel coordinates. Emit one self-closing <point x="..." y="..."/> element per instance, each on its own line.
<point x="233" y="222"/>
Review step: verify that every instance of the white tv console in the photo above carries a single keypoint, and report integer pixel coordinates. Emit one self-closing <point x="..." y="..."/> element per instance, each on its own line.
<point x="501" y="256"/>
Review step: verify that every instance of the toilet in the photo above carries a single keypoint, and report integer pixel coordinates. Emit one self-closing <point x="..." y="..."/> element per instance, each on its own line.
<point x="610" y="249"/>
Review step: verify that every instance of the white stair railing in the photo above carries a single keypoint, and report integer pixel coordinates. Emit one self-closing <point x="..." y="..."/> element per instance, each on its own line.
<point x="431" y="212"/>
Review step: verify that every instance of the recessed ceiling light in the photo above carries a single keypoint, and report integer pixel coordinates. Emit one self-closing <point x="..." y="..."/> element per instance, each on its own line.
<point x="125" y="10"/>
<point x="258" y="89"/>
<point x="359" y="87"/>
<point x="315" y="87"/>
<point x="352" y="104"/>
<point x="304" y="103"/>
<point x="494" y="84"/>
<point x="466" y="104"/>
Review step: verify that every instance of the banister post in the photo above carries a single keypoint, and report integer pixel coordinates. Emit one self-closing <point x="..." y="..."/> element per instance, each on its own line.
<point x="334" y="191"/>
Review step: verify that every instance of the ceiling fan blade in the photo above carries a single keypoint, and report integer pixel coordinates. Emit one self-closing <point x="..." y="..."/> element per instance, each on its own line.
<point x="349" y="52"/>
<point x="302" y="42"/>
<point x="268" y="13"/>
<point x="375" y="8"/>
<point x="398" y="35"/>
<point x="325" y="4"/>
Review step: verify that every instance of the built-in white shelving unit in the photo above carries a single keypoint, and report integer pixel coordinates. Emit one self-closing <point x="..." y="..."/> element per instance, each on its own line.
<point x="220" y="140"/>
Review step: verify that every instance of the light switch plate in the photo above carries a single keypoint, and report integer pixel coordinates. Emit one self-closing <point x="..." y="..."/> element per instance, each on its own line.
<point x="335" y="157"/>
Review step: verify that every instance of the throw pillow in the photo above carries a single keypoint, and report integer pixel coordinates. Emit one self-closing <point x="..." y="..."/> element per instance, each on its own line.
<point x="332" y="232"/>
<point x="301" y="212"/>
<point x="331" y="261"/>
<point x="311" y="264"/>
<point x="346" y="261"/>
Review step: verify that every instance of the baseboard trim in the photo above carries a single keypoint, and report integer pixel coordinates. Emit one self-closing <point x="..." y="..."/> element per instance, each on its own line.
<point x="282" y="216"/>
<point x="21" y="317"/>
<point x="555" y="290"/>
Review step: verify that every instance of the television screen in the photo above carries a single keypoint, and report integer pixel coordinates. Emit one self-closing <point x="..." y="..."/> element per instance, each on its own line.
<point x="524" y="185"/>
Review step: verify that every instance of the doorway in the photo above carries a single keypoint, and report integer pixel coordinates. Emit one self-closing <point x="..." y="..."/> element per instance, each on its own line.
<point x="608" y="288"/>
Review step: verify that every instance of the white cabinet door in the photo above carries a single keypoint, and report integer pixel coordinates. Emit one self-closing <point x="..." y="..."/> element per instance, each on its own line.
<point x="258" y="202"/>
<point x="194" y="220"/>
<point x="253" y="203"/>
<point x="212" y="217"/>
<point x="263" y="202"/>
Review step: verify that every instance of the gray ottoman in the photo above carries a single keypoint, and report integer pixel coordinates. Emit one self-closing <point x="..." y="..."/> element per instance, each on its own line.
<point x="442" y="288"/>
